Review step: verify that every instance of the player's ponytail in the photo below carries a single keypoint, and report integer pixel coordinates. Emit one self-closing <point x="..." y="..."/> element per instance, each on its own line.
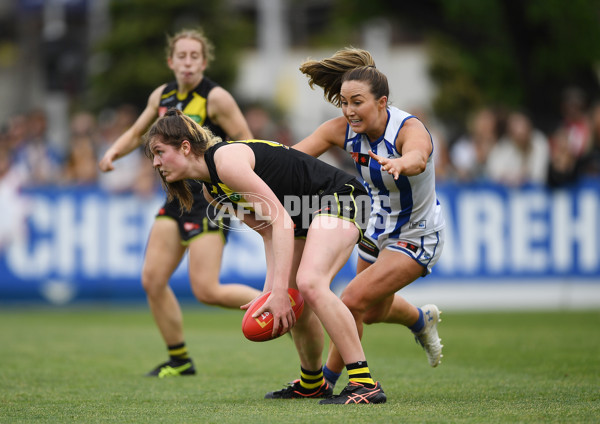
<point x="345" y="65"/>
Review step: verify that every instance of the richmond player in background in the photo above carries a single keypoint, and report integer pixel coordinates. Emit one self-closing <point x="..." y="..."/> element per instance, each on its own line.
<point x="174" y="231"/>
<point x="304" y="250"/>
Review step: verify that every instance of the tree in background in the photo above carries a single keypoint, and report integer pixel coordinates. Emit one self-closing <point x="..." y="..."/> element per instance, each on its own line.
<point x="509" y="53"/>
<point x="505" y="53"/>
<point x="133" y="51"/>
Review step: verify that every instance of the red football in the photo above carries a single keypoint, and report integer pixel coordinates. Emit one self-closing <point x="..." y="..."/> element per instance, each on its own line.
<point x="259" y="329"/>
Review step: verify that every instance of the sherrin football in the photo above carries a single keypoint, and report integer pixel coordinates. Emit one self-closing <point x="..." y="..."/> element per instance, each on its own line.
<point x="259" y="329"/>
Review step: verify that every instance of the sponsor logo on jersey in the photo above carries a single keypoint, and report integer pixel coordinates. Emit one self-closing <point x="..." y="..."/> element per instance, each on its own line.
<point x="190" y="226"/>
<point x="361" y="158"/>
<point x="406" y="245"/>
<point x="419" y="224"/>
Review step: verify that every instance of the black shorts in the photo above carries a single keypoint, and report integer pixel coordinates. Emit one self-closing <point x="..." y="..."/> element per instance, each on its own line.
<point x="350" y="202"/>
<point x="201" y="219"/>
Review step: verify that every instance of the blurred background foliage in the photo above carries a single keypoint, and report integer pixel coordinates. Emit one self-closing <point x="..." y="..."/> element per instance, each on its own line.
<point x="134" y="51"/>
<point x="508" y="53"/>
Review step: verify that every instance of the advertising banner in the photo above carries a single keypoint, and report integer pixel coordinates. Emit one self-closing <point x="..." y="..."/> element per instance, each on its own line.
<point x="62" y="245"/>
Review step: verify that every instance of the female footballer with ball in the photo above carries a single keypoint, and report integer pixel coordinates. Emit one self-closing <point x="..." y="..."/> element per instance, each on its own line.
<point x="304" y="251"/>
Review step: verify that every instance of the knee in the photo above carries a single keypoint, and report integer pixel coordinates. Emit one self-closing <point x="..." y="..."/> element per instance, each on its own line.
<point x="205" y="294"/>
<point x="354" y="303"/>
<point x="371" y="317"/>
<point x="308" y="285"/>
<point x="152" y="284"/>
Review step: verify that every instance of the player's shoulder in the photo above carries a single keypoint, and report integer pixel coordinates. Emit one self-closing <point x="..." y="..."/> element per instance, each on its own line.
<point x="219" y="93"/>
<point x="333" y="130"/>
<point x="220" y="101"/>
<point x="335" y="124"/>
<point x="207" y="83"/>
<point x="156" y="94"/>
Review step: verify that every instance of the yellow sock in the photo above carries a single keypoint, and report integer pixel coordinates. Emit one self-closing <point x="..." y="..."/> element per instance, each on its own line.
<point x="311" y="380"/>
<point x="358" y="372"/>
<point x="178" y="352"/>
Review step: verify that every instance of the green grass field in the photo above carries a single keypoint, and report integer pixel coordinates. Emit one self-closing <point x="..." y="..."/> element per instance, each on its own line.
<point x="87" y="366"/>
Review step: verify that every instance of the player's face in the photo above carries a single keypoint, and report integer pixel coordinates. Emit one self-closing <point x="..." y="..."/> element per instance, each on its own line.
<point x="170" y="161"/>
<point x="187" y="62"/>
<point x="360" y="108"/>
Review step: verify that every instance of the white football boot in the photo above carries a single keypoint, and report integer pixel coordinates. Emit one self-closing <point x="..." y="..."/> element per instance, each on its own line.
<point x="428" y="337"/>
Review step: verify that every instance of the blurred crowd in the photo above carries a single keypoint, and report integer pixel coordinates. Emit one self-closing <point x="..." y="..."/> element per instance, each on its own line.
<point x="30" y="158"/>
<point x="497" y="146"/>
<point x="505" y="147"/>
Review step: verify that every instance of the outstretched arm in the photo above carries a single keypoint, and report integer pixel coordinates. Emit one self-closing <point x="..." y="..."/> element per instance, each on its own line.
<point x="414" y="143"/>
<point x="329" y="134"/>
<point x="132" y="138"/>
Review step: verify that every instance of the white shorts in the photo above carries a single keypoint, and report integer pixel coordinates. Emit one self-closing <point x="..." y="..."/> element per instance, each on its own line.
<point x="426" y="250"/>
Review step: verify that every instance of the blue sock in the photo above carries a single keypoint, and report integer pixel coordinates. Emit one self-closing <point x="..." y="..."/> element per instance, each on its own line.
<point x="330" y="376"/>
<point x="418" y="326"/>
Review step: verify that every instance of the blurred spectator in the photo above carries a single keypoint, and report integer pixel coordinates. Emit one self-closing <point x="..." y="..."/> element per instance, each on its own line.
<point x="81" y="164"/>
<point x="113" y="123"/>
<point x="591" y="161"/>
<point x="147" y="183"/>
<point x="85" y="124"/>
<point x="521" y="156"/>
<point x="563" y="169"/>
<point x="469" y="153"/>
<point x="575" y="121"/>
<point x="12" y="224"/>
<point x="260" y="123"/>
<point x="267" y="124"/>
<point x="16" y="132"/>
<point x="34" y="156"/>
<point x="444" y="170"/>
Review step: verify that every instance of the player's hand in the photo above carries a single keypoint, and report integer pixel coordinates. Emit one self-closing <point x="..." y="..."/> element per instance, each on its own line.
<point x="278" y="304"/>
<point x="247" y="305"/>
<point x="391" y="166"/>
<point x="106" y="163"/>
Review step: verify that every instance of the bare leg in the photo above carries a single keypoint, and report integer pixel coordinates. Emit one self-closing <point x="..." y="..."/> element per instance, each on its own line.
<point x="163" y="254"/>
<point x="371" y="303"/>
<point x="205" y="255"/>
<point x="328" y="246"/>
<point x="307" y="333"/>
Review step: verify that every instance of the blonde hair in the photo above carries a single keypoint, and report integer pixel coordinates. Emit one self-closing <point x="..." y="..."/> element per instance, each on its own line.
<point x="172" y="129"/>
<point x="194" y="34"/>
<point x="348" y="64"/>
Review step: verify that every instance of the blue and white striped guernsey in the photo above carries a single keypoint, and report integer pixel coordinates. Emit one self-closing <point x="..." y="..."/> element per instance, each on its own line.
<point x="402" y="208"/>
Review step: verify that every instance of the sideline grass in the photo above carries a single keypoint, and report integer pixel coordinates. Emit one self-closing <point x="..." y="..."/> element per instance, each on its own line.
<point x="86" y="366"/>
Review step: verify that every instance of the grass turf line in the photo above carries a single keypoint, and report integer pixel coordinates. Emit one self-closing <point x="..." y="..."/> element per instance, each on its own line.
<point x="72" y="365"/>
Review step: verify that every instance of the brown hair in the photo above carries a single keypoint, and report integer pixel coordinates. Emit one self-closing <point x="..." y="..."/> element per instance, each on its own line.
<point x="172" y="129"/>
<point x="348" y="64"/>
<point x="195" y="34"/>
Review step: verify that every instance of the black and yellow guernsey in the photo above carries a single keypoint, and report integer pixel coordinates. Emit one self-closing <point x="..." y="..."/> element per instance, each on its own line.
<point x="288" y="172"/>
<point x="193" y="104"/>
